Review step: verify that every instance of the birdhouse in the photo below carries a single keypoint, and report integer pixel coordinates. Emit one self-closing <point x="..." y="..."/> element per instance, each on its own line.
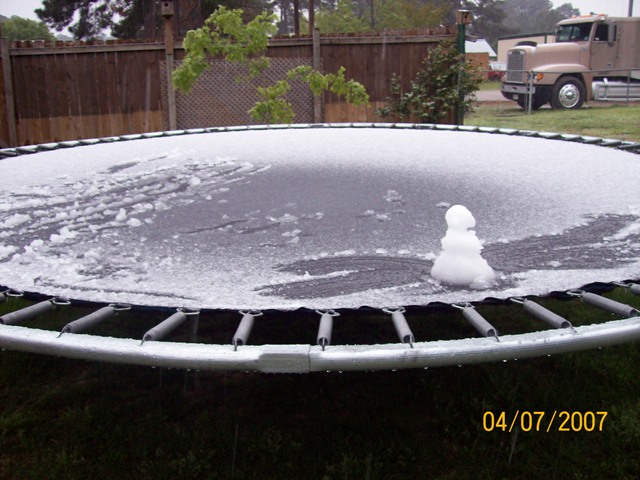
<point x="463" y="17"/>
<point x="166" y="8"/>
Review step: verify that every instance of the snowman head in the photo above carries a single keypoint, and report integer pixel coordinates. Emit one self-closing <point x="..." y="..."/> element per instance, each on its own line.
<point x="459" y="217"/>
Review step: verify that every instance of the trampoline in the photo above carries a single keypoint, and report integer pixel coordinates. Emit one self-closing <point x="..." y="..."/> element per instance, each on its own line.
<point x="324" y="218"/>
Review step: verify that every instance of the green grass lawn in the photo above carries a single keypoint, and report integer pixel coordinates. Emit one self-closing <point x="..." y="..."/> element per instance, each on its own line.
<point x="73" y="419"/>
<point x="606" y="120"/>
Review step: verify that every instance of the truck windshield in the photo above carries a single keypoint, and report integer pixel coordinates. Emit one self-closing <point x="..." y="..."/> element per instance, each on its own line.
<point x="577" y="32"/>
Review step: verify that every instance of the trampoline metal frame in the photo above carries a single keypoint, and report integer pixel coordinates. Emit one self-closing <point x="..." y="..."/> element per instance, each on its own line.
<point x="325" y="357"/>
<point x="315" y="358"/>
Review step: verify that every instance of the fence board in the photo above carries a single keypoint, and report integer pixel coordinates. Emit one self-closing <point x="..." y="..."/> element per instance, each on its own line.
<point x="4" y="124"/>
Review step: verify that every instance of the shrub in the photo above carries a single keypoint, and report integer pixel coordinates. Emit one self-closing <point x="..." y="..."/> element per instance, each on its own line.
<point x="445" y="83"/>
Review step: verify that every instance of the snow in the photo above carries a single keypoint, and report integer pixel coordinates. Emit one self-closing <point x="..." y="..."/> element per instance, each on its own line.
<point x="460" y="262"/>
<point x="320" y="218"/>
<point x="14" y="221"/>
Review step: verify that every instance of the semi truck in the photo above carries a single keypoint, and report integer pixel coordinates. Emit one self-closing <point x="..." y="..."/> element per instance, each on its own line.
<point x="594" y="57"/>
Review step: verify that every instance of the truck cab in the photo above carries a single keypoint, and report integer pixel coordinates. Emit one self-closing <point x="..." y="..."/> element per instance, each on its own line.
<point x="589" y="52"/>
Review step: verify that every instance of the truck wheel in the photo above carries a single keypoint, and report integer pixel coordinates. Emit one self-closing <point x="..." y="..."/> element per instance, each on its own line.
<point x="568" y="93"/>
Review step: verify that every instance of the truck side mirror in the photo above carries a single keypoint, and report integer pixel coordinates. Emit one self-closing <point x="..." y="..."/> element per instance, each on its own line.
<point x="612" y="32"/>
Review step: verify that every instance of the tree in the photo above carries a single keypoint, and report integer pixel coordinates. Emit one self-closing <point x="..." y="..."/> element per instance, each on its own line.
<point x="225" y="34"/>
<point x="341" y="19"/>
<point x="87" y="19"/>
<point x="18" y="28"/>
<point x="488" y="17"/>
<point x="535" y="16"/>
<point x="377" y="15"/>
<point x="93" y="15"/>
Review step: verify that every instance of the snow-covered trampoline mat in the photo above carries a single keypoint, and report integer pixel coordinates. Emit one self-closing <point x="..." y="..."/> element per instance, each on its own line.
<point x="320" y="218"/>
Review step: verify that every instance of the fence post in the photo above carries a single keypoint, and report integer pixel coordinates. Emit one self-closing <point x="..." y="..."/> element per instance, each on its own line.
<point x="8" y="92"/>
<point x="317" y="99"/>
<point x="167" y="13"/>
<point x="463" y="18"/>
<point x="530" y="94"/>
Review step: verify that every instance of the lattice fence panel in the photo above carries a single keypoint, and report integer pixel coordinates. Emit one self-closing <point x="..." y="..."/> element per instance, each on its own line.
<point x="220" y="98"/>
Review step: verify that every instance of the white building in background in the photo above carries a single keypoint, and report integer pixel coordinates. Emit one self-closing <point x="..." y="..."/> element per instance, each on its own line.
<point x="480" y="46"/>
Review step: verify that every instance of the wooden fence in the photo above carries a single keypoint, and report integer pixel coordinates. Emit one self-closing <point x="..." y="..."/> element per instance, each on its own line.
<point x="51" y="92"/>
<point x="84" y="90"/>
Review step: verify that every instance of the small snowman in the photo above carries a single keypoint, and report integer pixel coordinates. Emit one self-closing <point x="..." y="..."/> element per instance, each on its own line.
<point x="460" y="263"/>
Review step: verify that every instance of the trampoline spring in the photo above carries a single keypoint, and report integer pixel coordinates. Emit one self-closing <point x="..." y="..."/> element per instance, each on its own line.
<point x="400" y="323"/>
<point x="6" y="294"/>
<point x="164" y="328"/>
<point x="27" y="313"/>
<point x="633" y="287"/>
<point x="120" y="307"/>
<point x="545" y="315"/>
<point x="477" y="321"/>
<point x="326" y="327"/>
<point x="621" y="309"/>
<point x="241" y="337"/>
<point x="85" y="323"/>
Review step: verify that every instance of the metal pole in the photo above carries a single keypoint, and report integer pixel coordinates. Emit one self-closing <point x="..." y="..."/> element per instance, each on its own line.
<point x="169" y="57"/>
<point x="630" y="8"/>
<point x="530" y="94"/>
<point x="461" y="52"/>
<point x="463" y="18"/>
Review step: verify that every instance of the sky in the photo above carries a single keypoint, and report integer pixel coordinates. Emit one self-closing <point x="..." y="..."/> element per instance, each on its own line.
<point x="617" y="8"/>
